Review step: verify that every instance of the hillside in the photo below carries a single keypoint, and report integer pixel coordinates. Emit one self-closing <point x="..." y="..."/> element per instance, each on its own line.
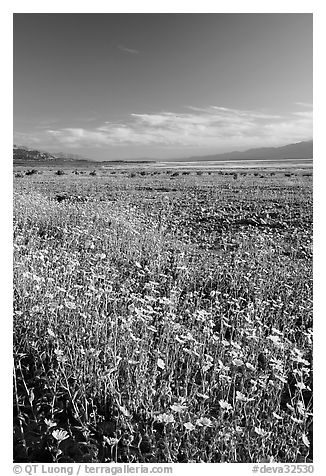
<point x="25" y="156"/>
<point x="22" y="154"/>
<point x="300" y="150"/>
<point x="31" y="157"/>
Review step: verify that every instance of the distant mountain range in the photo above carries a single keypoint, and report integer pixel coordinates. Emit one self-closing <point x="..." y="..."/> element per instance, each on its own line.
<point x="301" y="150"/>
<point x="22" y="154"/>
<point x="26" y="156"/>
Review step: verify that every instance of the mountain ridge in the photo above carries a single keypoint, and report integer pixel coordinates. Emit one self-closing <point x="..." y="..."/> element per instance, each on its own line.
<point x="22" y="153"/>
<point x="299" y="150"/>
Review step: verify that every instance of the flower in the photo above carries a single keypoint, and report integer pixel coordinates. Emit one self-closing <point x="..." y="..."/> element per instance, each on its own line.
<point x="260" y="431"/>
<point x="225" y="405"/>
<point x="204" y="422"/>
<point x="160" y="363"/>
<point x="250" y="366"/>
<point x="60" y="435"/>
<point x="275" y="339"/>
<point x="124" y="410"/>
<point x="60" y="356"/>
<point x="178" y="408"/>
<point x="241" y="397"/>
<point x="281" y="378"/>
<point x="110" y="441"/>
<point x="305" y="440"/>
<point x="202" y="395"/>
<point x="278" y="417"/>
<point x="50" y="332"/>
<point x="301" y="409"/>
<point x="300" y="385"/>
<point x="296" y="420"/>
<point x="225" y="343"/>
<point x="238" y="429"/>
<point x="207" y="366"/>
<point x="189" y="426"/>
<point x="165" y="418"/>
<point x="49" y="423"/>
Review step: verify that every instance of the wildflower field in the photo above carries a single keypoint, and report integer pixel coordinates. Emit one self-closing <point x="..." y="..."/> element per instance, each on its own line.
<point x="163" y="316"/>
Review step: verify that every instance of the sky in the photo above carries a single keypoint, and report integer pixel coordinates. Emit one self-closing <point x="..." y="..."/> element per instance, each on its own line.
<point x="161" y="86"/>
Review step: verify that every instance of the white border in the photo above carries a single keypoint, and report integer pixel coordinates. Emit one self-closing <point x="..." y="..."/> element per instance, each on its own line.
<point x="168" y="6"/>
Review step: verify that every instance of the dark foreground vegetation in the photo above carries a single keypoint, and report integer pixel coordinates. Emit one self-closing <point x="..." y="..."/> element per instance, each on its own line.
<point x="163" y="317"/>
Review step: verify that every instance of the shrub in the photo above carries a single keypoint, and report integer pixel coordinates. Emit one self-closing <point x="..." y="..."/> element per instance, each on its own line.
<point x="31" y="172"/>
<point x="60" y="172"/>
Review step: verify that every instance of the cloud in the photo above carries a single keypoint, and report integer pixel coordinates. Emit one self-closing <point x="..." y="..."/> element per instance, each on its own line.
<point x="307" y="114"/>
<point x="304" y="104"/>
<point x="131" y="51"/>
<point x="213" y="127"/>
